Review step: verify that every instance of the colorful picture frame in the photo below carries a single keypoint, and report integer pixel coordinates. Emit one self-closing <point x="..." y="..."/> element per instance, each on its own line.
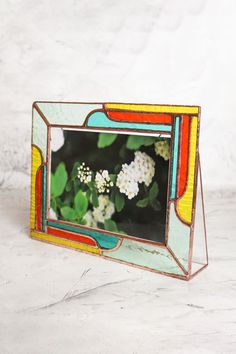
<point x="175" y="257"/>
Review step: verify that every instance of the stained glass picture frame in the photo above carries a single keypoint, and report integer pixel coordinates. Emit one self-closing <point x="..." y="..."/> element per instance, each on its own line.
<point x="145" y="170"/>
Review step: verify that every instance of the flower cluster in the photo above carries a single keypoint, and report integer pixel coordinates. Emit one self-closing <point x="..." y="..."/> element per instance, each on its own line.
<point x="162" y="148"/>
<point x="103" y="212"/>
<point x="103" y="181"/>
<point x="142" y="169"/>
<point x="126" y="181"/>
<point x="90" y="220"/>
<point x="84" y="173"/>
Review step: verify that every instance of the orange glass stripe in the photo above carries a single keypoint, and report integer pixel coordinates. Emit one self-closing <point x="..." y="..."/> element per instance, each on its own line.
<point x="38" y="197"/>
<point x="136" y="117"/>
<point x="71" y="236"/>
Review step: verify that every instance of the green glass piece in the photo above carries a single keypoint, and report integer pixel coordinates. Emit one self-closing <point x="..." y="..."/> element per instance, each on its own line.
<point x="178" y="237"/>
<point x="146" y="255"/>
<point x="40" y="133"/>
<point x="67" y="113"/>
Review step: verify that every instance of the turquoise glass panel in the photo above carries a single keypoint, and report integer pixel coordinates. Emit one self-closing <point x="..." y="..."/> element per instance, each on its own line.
<point x="100" y="120"/>
<point x="175" y="157"/>
<point x="44" y="193"/>
<point x="104" y="240"/>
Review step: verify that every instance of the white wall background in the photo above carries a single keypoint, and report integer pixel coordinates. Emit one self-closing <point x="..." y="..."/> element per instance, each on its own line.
<point x="155" y="51"/>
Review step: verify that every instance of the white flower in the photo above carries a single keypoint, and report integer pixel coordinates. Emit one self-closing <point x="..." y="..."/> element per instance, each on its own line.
<point x="126" y="181"/>
<point x="162" y="148"/>
<point x="98" y="215"/>
<point x="105" y="174"/>
<point x="142" y="169"/>
<point x="132" y="189"/>
<point x="103" y="181"/>
<point x="57" y="139"/>
<point x="90" y="220"/>
<point x="84" y="174"/>
<point x="105" y="209"/>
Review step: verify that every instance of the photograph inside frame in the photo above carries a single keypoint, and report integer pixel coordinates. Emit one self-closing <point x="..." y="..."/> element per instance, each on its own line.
<point x="114" y="181"/>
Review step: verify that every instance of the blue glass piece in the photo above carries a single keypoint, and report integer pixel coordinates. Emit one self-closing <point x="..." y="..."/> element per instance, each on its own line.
<point x="100" y="120"/>
<point x="104" y="240"/>
<point x="175" y="153"/>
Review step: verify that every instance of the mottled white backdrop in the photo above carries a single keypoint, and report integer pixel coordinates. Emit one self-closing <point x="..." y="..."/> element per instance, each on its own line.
<point x="155" y="51"/>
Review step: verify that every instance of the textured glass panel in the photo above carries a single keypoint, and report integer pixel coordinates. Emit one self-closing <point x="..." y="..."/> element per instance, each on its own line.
<point x="40" y="133"/>
<point x="99" y="119"/>
<point x="199" y="255"/>
<point x="178" y="237"/>
<point x="67" y="113"/>
<point x="146" y="255"/>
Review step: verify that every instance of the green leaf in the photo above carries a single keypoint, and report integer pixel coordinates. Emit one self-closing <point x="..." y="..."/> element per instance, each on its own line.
<point x="142" y="203"/>
<point x="119" y="201"/>
<point x="59" y="180"/>
<point x="68" y="200"/>
<point x="52" y="186"/>
<point x="106" y="139"/>
<point x="113" y="195"/>
<point x="135" y="141"/>
<point x="88" y="194"/>
<point x="74" y="172"/>
<point x="153" y="192"/>
<point x="117" y="169"/>
<point x="68" y="213"/>
<point x="59" y="202"/>
<point x="53" y="205"/>
<point x="76" y="183"/>
<point x="94" y="198"/>
<point x="90" y="185"/>
<point x="113" y="177"/>
<point x="123" y="151"/>
<point x="156" y="205"/>
<point x="82" y="221"/>
<point x="110" y="225"/>
<point x="69" y="186"/>
<point x="148" y="140"/>
<point x="81" y="203"/>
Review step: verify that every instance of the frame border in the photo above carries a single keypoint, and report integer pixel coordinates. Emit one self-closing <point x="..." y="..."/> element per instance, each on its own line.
<point x="192" y="113"/>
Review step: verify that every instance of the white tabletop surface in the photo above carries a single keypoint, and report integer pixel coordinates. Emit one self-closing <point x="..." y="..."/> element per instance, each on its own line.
<point x="56" y="300"/>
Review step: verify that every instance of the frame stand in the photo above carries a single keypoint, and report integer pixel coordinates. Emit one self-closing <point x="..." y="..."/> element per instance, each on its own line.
<point x="199" y="236"/>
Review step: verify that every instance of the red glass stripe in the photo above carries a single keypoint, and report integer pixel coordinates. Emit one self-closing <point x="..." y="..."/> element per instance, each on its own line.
<point x="183" y="154"/>
<point x="71" y="236"/>
<point x="136" y="117"/>
<point x="38" y="194"/>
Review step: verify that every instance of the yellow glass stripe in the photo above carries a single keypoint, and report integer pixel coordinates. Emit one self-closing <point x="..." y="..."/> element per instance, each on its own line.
<point x="64" y="242"/>
<point x="35" y="164"/>
<point x="185" y="203"/>
<point x="153" y="108"/>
